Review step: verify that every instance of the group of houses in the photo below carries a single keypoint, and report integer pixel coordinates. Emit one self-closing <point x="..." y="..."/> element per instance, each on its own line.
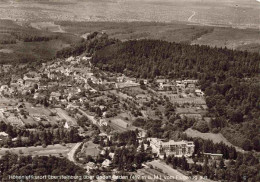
<point x="175" y="85"/>
<point x="171" y="147"/>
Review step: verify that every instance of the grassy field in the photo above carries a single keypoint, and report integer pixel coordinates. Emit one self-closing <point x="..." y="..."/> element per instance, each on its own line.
<point x="90" y="149"/>
<point x="216" y="138"/>
<point x="54" y="150"/>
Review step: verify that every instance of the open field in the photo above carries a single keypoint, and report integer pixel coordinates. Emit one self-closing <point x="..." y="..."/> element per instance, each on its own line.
<point x="54" y="150"/>
<point x="239" y="13"/>
<point x="216" y="138"/>
<point x="90" y="149"/>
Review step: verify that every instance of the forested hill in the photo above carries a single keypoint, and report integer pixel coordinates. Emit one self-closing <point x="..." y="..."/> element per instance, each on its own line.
<point x="151" y="58"/>
<point x="228" y="77"/>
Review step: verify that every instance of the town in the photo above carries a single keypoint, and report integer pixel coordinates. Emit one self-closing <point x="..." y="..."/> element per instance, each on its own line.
<point x="106" y="110"/>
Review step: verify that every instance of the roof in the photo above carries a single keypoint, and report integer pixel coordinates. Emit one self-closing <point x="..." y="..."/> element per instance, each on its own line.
<point x="212" y="154"/>
<point x="106" y="162"/>
<point x="56" y="94"/>
<point x="3" y="134"/>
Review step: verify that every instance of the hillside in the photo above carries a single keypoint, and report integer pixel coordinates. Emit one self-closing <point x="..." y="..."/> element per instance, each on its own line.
<point x="21" y="43"/>
<point x="228" y="78"/>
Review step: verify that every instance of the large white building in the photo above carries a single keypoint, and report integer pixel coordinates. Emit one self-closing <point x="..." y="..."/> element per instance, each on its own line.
<point x="176" y="148"/>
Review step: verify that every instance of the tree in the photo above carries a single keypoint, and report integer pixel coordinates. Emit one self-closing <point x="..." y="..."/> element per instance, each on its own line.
<point x="247" y="145"/>
<point x="221" y="164"/>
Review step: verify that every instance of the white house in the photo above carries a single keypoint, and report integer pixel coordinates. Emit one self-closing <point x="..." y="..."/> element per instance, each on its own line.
<point x="106" y="163"/>
<point x="176" y="148"/>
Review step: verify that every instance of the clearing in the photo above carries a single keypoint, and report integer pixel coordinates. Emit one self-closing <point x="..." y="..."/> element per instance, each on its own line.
<point x="216" y="138"/>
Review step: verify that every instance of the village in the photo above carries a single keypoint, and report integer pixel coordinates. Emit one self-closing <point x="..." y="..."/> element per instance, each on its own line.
<point x="73" y="94"/>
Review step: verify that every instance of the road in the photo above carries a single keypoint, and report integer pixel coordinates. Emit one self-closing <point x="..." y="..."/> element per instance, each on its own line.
<point x="193" y="14"/>
<point x="72" y="152"/>
<point x="173" y="173"/>
<point x="63" y="114"/>
<point x="91" y="118"/>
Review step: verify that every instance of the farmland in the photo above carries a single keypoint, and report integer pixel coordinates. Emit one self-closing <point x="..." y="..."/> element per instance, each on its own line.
<point x="242" y="13"/>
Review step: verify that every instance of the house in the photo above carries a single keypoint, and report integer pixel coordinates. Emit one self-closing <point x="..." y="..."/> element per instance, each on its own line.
<point x="70" y="59"/>
<point x="82" y="99"/>
<point x="3" y="135"/>
<point x="90" y="165"/>
<point x="106" y="163"/>
<point x="191" y="85"/>
<point x="213" y="156"/>
<point x="145" y="82"/>
<point x="176" y="148"/>
<point x="166" y="87"/>
<point x="7" y="67"/>
<point x="55" y="96"/>
<point x="4" y="88"/>
<point x="195" y="116"/>
<point x="181" y="85"/>
<point x="103" y="152"/>
<point x="139" y="147"/>
<point x="189" y="81"/>
<point x="162" y="81"/>
<point x="85" y="58"/>
<point x="36" y="95"/>
<point x="103" y="122"/>
<point x="19" y="106"/>
<point x="20" y="82"/>
<point x="199" y="92"/>
<point x="120" y="79"/>
<point x="66" y="125"/>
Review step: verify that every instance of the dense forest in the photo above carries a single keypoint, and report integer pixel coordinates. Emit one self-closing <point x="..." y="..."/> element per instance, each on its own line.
<point x="228" y="78"/>
<point x="12" y="164"/>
